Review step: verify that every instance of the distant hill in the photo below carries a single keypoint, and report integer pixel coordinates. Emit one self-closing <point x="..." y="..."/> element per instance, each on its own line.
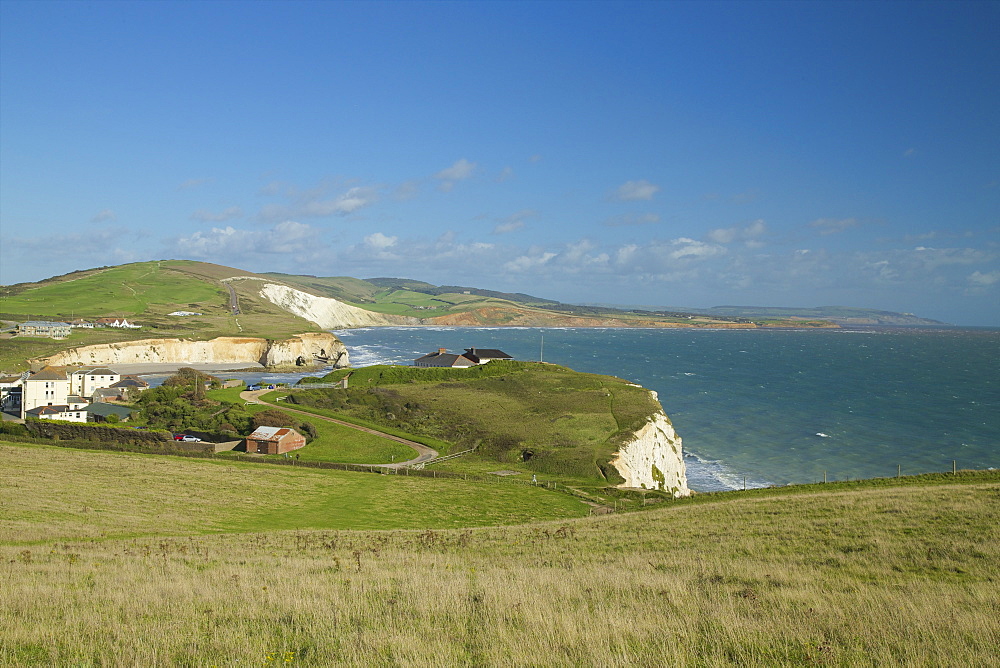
<point x="842" y="315"/>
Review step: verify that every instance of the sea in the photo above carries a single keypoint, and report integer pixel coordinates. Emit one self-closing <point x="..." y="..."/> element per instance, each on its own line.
<point x="769" y="407"/>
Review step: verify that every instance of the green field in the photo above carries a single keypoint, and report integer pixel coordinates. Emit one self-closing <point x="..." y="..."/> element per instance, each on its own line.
<point x="127" y="290"/>
<point x="118" y="559"/>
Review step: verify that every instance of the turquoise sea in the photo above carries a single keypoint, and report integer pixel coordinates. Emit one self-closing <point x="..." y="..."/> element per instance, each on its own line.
<point x="776" y="406"/>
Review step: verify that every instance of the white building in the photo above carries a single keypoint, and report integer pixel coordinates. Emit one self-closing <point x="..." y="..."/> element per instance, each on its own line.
<point x="55" y="388"/>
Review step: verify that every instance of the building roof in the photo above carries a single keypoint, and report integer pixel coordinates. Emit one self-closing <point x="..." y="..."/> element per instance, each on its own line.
<point x="52" y="410"/>
<point x="486" y="354"/>
<point x="44" y="323"/>
<point x="104" y="410"/>
<point x="271" y="433"/>
<point x="104" y="393"/>
<point x="49" y="373"/>
<point x="131" y="381"/>
<point x="103" y="371"/>
<point x="444" y="359"/>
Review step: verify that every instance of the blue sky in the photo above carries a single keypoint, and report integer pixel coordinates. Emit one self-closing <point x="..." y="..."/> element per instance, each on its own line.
<point x="653" y="153"/>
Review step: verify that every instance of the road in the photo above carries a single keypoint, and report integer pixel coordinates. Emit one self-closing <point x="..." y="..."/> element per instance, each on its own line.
<point x="424" y="453"/>
<point x="234" y="302"/>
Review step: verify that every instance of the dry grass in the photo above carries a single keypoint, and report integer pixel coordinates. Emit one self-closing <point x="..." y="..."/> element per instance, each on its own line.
<point x="873" y="576"/>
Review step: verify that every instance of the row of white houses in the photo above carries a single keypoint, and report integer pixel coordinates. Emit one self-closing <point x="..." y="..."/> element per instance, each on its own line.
<point x="59" y="330"/>
<point x="64" y="393"/>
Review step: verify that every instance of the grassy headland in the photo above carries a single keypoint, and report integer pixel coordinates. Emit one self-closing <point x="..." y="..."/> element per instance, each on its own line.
<point x="112" y="559"/>
<point x="549" y="418"/>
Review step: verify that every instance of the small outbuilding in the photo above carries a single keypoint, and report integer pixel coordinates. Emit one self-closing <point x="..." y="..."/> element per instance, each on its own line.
<point x="274" y="440"/>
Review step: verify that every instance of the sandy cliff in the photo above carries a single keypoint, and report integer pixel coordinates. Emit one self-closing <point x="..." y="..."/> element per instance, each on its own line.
<point x="300" y="349"/>
<point x="326" y="312"/>
<point x="654" y="458"/>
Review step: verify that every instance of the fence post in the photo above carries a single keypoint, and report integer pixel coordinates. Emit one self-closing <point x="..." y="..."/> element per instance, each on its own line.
<point x="954" y="471"/>
<point x="899" y="469"/>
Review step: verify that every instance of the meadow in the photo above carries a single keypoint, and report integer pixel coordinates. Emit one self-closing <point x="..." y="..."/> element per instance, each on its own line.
<point x="894" y="572"/>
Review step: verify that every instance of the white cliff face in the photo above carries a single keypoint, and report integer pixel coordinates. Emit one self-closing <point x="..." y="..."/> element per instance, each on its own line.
<point x="221" y="350"/>
<point x="326" y="312"/>
<point x="654" y="458"/>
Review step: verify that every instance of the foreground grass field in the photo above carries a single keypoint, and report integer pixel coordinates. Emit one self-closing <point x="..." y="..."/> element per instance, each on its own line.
<point x="864" y="574"/>
<point x="102" y="495"/>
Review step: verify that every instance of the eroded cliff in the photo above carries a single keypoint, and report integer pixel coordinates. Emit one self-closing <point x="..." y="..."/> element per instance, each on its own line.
<point x="654" y="458"/>
<point x="326" y="312"/>
<point x="302" y="349"/>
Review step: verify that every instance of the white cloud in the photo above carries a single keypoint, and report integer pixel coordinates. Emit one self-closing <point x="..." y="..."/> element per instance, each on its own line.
<point x="636" y="190"/>
<point x="461" y="170"/>
<point x="730" y="234"/>
<point x="685" y="248"/>
<point x="513" y="222"/>
<point x="833" y="225"/>
<point x="526" y="263"/>
<point x="506" y="174"/>
<point x="206" y="216"/>
<point x="379" y="241"/>
<point x="984" y="279"/>
<point x="287" y="237"/>
<point x="309" y="204"/>
<point x="105" y="216"/>
<point x="510" y="226"/>
<point x="909" y="153"/>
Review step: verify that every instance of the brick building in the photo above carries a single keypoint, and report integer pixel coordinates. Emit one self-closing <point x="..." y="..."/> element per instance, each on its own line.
<point x="274" y="440"/>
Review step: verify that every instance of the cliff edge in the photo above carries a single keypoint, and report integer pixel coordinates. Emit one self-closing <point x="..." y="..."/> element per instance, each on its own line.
<point x="654" y="458"/>
<point x="300" y="350"/>
<point x="326" y="312"/>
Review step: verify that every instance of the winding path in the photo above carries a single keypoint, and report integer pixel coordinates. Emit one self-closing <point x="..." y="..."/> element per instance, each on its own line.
<point x="424" y="453"/>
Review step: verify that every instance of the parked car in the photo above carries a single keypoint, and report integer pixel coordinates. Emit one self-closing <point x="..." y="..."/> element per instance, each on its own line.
<point x="251" y="388"/>
<point x="186" y="438"/>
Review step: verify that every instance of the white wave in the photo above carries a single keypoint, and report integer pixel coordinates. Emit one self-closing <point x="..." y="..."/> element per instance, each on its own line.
<point x="712" y="475"/>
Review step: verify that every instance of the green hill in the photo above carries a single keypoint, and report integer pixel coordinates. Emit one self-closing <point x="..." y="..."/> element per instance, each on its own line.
<point x="144" y="293"/>
<point x="528" y="416"/>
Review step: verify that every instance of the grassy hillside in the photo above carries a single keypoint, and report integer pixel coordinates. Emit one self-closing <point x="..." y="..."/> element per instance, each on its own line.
<point x="112" y="559"/>
<point x="545" y="417"/>
<point x="145" y="293"/>
<point x="126" y="290"/>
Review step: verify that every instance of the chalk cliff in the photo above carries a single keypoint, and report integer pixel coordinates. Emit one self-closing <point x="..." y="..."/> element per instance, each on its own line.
<point x="326" y="312"/>
<point x="298" y="350"/>
<point x="654" y="458"/>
